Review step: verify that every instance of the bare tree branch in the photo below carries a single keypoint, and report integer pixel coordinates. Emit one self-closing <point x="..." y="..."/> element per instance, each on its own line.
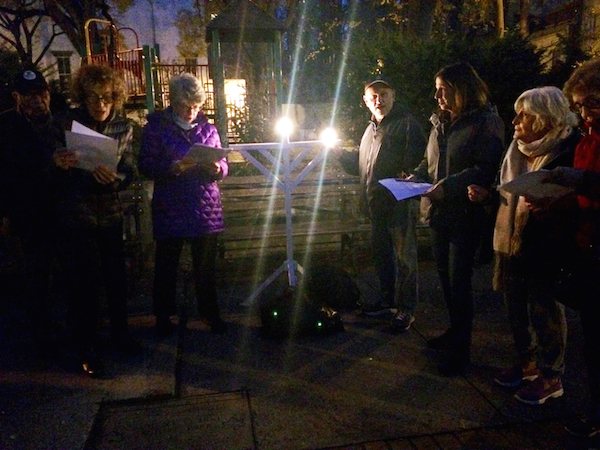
<point x="55" y="34"/>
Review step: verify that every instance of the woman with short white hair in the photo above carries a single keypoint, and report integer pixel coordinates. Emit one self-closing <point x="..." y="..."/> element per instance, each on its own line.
<point x="186" y="88"/>
<point x="525" y="244"/>
<point x="186" y="204"/>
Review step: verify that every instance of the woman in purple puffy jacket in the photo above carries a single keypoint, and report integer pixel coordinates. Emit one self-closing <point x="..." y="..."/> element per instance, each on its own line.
<point x="186" y="205"/>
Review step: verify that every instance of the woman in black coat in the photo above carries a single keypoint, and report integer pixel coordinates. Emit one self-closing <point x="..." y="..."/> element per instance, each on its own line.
<point x="465" y="147"/>
<point x="90" y="216"/>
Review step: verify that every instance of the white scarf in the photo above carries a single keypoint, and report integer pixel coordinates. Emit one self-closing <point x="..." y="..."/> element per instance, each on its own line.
<point x="182" y="123"/>
<point x="512" y="212"/>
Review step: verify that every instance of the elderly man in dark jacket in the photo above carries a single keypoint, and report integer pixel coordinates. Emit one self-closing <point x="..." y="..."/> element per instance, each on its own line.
<point x="392" y="144"/>
<point x="28" y="140"/>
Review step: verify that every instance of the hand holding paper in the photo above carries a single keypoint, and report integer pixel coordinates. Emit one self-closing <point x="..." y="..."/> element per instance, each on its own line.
<point x="203" y="154"/>
<point x="403" y="189"/>
<point x="104" y="176"/>
<point x="535" y="187"/>
<point x="64" y="158"/>
<point x="92" y="149"/>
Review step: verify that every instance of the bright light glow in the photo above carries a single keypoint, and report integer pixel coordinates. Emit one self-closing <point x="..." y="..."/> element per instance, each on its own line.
<point x="329" y="137"/>
<point x="235" y="96"/>
<point x="284" y="127"/>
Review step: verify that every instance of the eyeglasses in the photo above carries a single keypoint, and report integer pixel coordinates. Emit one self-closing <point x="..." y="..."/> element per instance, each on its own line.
<point x="106" y="98"/>
<point x="588" y="103"/>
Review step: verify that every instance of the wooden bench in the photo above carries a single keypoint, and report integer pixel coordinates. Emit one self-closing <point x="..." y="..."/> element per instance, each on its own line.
<point x="324" y="211"/>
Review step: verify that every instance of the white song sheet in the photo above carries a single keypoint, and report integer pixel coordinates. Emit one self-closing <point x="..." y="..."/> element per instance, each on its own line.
<point x="93" y="149"/>
<point x="533" y="186"/>
<point x="403" y="189"/>
<point x="205" y="154"/>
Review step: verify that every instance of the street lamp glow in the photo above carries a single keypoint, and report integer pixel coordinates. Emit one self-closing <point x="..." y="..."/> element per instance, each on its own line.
<point x="329" y="137"/>
<point x="284" y="127"/>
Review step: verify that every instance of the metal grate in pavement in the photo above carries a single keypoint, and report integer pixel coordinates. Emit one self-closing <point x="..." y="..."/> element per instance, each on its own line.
<point x="212" y="421"/>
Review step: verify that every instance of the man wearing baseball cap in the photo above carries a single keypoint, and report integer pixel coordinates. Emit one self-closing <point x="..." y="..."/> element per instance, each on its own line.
<point x="28" y="139"/>
<point x="391" y="145"/>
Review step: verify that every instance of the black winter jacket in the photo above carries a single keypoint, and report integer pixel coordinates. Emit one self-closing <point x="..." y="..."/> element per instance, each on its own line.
<point x="389" y="149"/>
<point x="25" y="167"/>
<point x="460" y="153"/>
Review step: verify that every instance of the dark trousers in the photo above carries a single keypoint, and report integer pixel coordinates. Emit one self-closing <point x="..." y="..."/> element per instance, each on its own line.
<point x="92" y="259"/>
<point x="204" y="255"/>
<point x="590" y="325"/>
<point x="35" y="283"/>
<point x="454" y="251"/>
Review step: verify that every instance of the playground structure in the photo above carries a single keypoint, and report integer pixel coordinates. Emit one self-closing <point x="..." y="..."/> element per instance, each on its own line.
<point x="147" y="78"/>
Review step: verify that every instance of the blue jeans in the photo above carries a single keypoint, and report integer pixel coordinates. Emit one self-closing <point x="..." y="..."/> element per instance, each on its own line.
<point x="394" y="247"/>
<point x="537" y="321"/>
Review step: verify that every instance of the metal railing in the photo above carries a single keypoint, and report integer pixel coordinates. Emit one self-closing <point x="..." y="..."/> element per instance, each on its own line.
<point x="129" y="64"/>
<point x="164" y="73"/>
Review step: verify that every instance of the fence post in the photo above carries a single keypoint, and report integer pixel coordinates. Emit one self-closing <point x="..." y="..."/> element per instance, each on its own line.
<point x="149" y="81"/>
<point x="158" y="91"/>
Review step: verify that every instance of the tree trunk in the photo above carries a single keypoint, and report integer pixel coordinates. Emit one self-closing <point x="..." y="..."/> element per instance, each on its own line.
<point x="500" y="19"/>
<point x="524" y="7"/>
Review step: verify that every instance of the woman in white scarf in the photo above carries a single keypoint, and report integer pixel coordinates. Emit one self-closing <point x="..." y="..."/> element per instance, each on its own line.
<point x="524" y="240"/>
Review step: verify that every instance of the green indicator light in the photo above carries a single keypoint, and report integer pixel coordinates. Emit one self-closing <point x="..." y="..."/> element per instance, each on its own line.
<point x="275" y="313"/>
<point x="319" y="324"/>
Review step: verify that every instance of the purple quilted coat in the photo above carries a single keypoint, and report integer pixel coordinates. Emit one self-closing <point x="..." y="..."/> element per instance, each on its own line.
<point x="186" y="205"/>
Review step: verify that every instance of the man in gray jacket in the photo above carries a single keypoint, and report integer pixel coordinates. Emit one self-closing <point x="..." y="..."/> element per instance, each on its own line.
<point x="391" y="146"/>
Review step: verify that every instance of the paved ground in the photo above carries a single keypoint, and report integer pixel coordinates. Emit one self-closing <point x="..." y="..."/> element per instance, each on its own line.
<point x="364" y="388"/>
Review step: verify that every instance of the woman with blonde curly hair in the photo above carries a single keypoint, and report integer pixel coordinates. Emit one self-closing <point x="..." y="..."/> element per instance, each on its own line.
<point x="90" y="216"/>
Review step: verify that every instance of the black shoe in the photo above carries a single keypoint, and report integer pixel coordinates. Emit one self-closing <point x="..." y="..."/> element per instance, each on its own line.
<point x="454" y="364"/>
<point x="123" y="342"/>
<point x="92" y="364"/>
<point x="583" y="427"/>
<point x="217" y="325"/>
<point x="165" y="328"/>
<point x="442" y="342"/>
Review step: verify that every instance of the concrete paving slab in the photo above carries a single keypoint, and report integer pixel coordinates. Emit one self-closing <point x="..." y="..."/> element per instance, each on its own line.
<point x="54" y="424"/>
<point x="363" y="388"/>
<point x="318" y="392"/>
<point x="214" y="421"/>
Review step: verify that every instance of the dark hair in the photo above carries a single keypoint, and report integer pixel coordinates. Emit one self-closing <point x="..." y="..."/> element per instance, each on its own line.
<point x="89" y="76"/>
<point x="584" y="80"/>
<point x="470" y="91"/>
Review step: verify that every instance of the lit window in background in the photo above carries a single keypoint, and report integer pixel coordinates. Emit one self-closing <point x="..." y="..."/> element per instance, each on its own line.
<point x="237" y="110"/>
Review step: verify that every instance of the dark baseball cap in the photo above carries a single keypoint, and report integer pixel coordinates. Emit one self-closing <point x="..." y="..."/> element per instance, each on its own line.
<point x="29" y="80"/>
<point x="379" y="83"/>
